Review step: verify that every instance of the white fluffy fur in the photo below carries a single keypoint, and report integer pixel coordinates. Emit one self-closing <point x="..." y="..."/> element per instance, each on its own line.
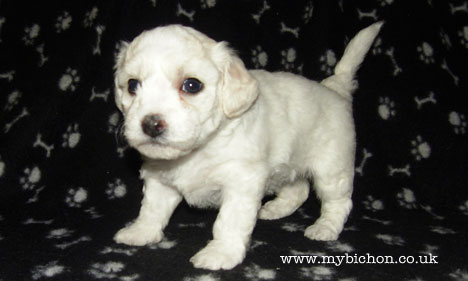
<point x="247" y="133"/>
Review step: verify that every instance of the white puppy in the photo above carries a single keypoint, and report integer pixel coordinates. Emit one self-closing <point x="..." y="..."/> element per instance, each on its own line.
<point x="218" y="135"/>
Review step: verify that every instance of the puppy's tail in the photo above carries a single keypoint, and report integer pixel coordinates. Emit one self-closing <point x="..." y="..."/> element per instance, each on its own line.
<point x="343" y="81"/>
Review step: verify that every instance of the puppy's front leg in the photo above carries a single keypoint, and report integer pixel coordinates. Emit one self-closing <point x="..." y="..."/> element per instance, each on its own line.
<point x="232" y="229"/>
<point x="158" y="204"/>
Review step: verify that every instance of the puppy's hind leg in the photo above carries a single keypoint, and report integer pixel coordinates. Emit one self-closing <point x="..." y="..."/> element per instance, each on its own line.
<point x="335" y="195"/>
<point x="287" y="201"/>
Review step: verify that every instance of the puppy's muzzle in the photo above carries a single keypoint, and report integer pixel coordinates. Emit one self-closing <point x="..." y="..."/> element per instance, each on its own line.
<point x="153" y="125"/>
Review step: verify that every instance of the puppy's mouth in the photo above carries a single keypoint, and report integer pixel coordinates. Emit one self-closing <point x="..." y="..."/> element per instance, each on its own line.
<point x="155" y="144"/>
<point x="159" y="149"/>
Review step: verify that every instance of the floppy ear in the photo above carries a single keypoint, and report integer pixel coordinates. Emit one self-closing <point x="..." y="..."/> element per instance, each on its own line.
<point x="119" y="61"/>
<point x="122" y="48"/>
<point x="239" y="88"/>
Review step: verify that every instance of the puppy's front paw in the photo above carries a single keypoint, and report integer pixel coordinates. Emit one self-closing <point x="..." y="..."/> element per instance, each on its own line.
<point x="219" y="255"/>
<point x="138" y="235"/>
<point x="322" y="232"/>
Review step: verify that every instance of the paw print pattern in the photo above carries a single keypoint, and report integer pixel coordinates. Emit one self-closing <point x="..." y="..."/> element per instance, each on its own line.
<point x="207" y="4"/>
<point x="76" y="197"/>
<point x="113" y="122"/>
<point x="421" y="149"/>
<point x="71" y="137"/>
<point x="463" y="34"/>
<point x="308" y="12"/>
<point x="292" y="227"/>
<point x="255" y="272"/>
<point x="13" y="100"/>
<point x="377" y="47"/>
<point x="464" y="208"/>
<point x="31" y="177"/>
<point x="90" y="16"/>
<point x="386" y="108"/>
<point x="69" y="80"/>
<point x="59" y="233"/>
<point x="47" y="271"/>
<point x="458" y="121"/>
<point x="384" y="3"/>
<point x="391" y="240"/>
<point x="259" y="57"/>
<point x="116" y="189"/>
<point x="372" y="204"/>
<point x="288" y="59"/>
<point x="31" y="33"/>
<point x="426" y="53"/>
<point x="406" y="199"/>
<point x="63" y="22"/>
<point x="328" y="61"/>
<point x="110" y="270"/>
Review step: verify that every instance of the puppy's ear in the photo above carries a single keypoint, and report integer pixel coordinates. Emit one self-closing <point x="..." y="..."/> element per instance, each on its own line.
<point x="239" y="88"/>
<point x="119" y="61"/>
<point x="122" y="48"/>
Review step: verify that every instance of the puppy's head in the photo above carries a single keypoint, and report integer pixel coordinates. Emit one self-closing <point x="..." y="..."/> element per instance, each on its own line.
<point x="175" y="86"/>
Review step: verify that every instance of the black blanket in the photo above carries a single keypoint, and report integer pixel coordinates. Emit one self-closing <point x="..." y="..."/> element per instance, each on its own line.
<point x="68" y="182"/>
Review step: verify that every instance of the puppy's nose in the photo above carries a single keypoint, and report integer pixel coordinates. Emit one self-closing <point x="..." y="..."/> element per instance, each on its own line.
<point x="153" y="125"/>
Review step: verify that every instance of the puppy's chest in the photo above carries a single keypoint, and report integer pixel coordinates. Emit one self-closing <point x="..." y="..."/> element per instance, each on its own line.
<point x="196" y="184"/>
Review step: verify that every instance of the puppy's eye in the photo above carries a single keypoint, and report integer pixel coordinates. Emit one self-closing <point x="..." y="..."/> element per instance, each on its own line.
<point x="133" y="85"/>
<point x="192" y="86"/>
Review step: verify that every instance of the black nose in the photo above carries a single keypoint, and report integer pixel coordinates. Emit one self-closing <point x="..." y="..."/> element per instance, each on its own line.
<point x="153" y="125"/>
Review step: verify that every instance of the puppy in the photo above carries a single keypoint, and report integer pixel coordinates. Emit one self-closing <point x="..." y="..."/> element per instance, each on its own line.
<point x="218" y="135"/>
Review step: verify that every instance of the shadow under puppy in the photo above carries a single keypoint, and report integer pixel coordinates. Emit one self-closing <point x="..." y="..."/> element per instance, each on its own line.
<point x="218" y="135"/>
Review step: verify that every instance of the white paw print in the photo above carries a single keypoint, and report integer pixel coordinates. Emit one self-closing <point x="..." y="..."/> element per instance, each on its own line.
<point x="407" y="199"/>
<point x="259" y="57"/>
<point x="458" y="122"/>
<point x="107" y="270"/>
<point x="31" y="33"/>
<point x="464" y="208"/>
<point x="288" y="58"/>
<point x="386" y="108"/>
<point x="59" y="233"/>
<point x="391" y="240"/>
<point x="384" y="3"/>
<point x="256" y="273"/>
<point x="163" y="244"/>
<point x="116" y="189"/>
<point x="114" y="121"/>
<point x="426" y="53"/>
<point x="292" y="227"/>
<point x="308" y="12"/>
<point x="47" y="271"/>
<point x="69" y="80"/>
<point x="328" y="61"/>
<point x="421" y="149"/>
<point x="63" y="22"/>
<point x="206" y="4"/>
<point x="377" y="48"/>
<point x="13" y="100"/>
<point x="464" y="36"/>
<point x="459" y="274"/>
<point x="31" y="177"/>
<point x="318" y="272"/>
<point x="76" y="197"/>
<point x="90" y="16"/>
<point x="71" y="137"/>
<point x="373" y="204"/>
